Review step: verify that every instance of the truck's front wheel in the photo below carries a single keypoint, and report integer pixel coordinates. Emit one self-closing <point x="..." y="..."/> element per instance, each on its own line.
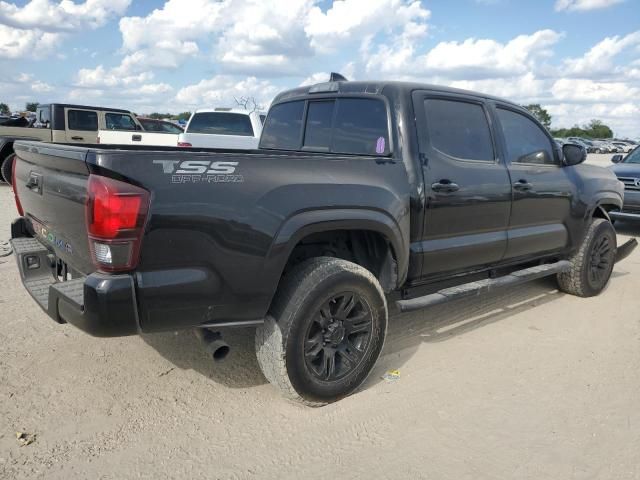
<point x="592" y="264"/>
<point x="325" y="331"/>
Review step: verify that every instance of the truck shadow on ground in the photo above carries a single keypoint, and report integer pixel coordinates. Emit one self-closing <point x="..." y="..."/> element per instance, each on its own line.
<point x="405" y="335"/>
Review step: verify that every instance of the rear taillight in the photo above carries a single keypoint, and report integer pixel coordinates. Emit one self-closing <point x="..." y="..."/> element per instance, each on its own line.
<point x="14" y="160"/>
<point x="116" y="213"/>
<point x="185" y="144"/>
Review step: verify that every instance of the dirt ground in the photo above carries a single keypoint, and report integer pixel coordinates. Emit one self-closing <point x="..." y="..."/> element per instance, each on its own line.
<point x="529" y="383"/>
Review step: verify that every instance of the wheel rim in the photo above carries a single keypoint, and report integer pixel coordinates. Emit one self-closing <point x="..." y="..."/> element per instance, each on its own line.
<point x="338" y="337"/>
<point x="601" y="261"/>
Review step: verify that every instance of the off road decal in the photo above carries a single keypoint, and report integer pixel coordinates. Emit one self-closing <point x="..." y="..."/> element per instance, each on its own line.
<point x="200" y="171"/>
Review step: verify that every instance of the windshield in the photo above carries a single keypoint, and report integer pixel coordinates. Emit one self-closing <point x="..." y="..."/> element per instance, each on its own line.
<point x="221" y="123"/>
<point x="633" y="157"/>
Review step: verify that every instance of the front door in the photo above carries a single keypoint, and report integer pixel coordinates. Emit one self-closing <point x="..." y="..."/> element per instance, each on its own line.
<point x="82" y="125"/>
<point x="542" y="189"/>
<point x="467" y="187"/>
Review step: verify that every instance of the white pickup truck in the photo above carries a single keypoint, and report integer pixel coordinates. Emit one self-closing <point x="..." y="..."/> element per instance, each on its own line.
<point x="127" y="130"/>
<point x="223" y="128"/>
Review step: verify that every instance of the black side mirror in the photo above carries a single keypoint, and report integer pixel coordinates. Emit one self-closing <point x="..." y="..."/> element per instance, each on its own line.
<point x="617" y="158"/>
<point x="573" y="154"/>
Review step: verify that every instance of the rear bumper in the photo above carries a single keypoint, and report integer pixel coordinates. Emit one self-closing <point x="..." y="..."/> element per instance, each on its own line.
<point x="101" y="305"/>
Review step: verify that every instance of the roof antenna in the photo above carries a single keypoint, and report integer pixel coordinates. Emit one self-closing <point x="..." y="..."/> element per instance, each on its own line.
<point x="336" y="77"/>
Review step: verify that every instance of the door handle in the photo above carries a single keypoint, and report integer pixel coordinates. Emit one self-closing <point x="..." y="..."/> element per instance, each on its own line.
<point x="136" y="138"/>
<point x="77" y="138"/>
<point x="522" y="185"/>
<point x="445" y="186"/>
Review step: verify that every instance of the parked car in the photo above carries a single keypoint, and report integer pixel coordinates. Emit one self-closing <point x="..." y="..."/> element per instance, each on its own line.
<point x="362" y="196"/>
<point x="123" y="130"/>
<point x="582" y="142"/>
<point x="161" y="126"/>
<point x="627" y="169"/>
<point x="57" y="123"/>
<point x="624" y="147"/>
<point x="222" y="128"/>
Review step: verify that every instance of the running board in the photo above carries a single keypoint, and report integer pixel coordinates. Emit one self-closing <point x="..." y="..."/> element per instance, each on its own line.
<point x="483" y="286"/>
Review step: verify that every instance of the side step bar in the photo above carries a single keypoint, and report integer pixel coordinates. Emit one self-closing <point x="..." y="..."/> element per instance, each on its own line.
<point x="483" y="286"/>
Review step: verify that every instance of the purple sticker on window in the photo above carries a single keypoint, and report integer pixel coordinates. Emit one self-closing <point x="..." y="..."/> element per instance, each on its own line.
<point x="380" y="145"/>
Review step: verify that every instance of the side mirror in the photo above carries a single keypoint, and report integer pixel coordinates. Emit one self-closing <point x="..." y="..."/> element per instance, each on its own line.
<point x="617" y="158"/>
<point x="573" y="154"/>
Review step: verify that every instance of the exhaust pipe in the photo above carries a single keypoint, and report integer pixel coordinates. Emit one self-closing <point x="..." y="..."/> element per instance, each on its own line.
<point x="213" y="343"/>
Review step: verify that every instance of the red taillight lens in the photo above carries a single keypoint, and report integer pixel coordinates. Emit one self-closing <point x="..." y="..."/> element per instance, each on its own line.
<point x="14" y="161"/>
<point x="116" y="213"/>
<point x="185" y="144"/>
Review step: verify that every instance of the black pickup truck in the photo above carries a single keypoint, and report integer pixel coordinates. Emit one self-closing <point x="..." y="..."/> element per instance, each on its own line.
<point x="363" y="197"/>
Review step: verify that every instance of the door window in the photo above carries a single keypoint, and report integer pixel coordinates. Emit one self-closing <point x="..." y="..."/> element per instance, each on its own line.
<point x="86" y="120"/>
<point x="459" y="129"/>
<point x="525" y="140"/>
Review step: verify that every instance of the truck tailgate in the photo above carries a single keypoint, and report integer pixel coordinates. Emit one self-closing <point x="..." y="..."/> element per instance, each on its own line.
<point x="51" y="183"/>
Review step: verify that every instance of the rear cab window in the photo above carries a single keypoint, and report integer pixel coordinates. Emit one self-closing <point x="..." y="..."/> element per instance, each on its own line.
<point x="221" y="123"/>
<point x="84" y="120"/>
<point x="342" y="125"/>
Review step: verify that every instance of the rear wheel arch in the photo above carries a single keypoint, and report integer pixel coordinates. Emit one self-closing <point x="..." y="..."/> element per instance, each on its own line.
<point x="6" y="152"/>
<point x="374" y="241"/>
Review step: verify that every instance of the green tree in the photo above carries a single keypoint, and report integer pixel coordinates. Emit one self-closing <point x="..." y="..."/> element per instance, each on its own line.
<point x="183" y="116"/>
<point x="540" y="113"/>
<point x="31" y="106"/>
<point x="597" y="129"/>
<point x="4" y="109"/>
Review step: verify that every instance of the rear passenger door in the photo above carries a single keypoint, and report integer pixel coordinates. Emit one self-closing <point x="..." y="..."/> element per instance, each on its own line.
<point x="542" y="189"/>
<point x="467" y="187"/>
<point x="82" y="125"/>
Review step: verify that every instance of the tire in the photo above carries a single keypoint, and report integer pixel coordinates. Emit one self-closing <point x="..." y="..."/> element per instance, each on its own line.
<point x="7" y="167"/>
<point x="308" y="329"/>
<point x="592" y="264"/>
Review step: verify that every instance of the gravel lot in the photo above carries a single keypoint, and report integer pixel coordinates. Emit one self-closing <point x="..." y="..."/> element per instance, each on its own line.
<point x="530" y="383"/>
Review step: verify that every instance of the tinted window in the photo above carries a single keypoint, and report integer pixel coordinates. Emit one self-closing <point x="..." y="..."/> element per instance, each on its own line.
<point x="119" y="121"/>
<point x="82" y="120"/>
<point x="282" y="127"/>
<point x="526" y="141"/>
<point x="263" y="118"/>
<point x="150" y="125"/>
<point x="360" y="127"/>
<point x="170" y="127"/>
<point x="459" y="129"/>
<point x="221" y="123"/>
<point x="317" y="132"/>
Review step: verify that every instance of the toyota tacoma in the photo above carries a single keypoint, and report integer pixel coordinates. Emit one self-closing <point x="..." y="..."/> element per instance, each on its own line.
<point x="362" y="198"/>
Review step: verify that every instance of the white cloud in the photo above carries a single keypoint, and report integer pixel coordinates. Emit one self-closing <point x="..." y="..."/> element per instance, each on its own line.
<point x="599" y="59"/>
<point x="16" y="43"/>
<point x="469" y="59"/>
<point x="584" y="5"/>
<point x="41" y="87"/>
<point x="358" y="19"/>
<point x="590" y="91"/>
<point x="61" y="16"/>
<point x="36" y="29"/>
<point x="220" y="91"/>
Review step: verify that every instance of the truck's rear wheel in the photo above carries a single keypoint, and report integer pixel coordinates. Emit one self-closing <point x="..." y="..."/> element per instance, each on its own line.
<point x="6" y="168"/>
<point x="592" y="264"/>
<point x="325" y="331"/>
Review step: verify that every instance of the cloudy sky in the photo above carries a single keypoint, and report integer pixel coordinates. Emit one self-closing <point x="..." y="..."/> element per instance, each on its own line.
<point x="578" y="58"/>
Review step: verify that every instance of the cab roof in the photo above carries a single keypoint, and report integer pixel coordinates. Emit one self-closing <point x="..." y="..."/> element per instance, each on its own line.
<point x="376" y="88"/>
